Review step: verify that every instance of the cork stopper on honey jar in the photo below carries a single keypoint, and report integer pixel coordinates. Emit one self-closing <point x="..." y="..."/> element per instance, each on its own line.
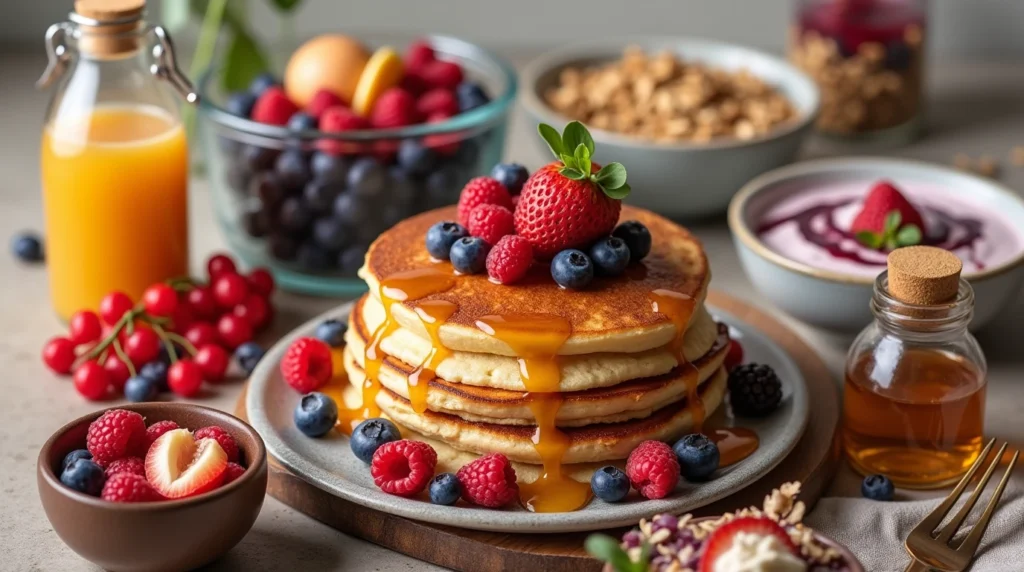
<point x="924" y="275"/>
<point x="109" y="28"/>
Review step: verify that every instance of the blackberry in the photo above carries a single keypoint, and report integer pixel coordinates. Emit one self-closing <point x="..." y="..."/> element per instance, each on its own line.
<point x="754" y="390"/>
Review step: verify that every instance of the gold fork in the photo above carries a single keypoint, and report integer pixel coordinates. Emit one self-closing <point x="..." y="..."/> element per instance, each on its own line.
<point x="935" y="551"/>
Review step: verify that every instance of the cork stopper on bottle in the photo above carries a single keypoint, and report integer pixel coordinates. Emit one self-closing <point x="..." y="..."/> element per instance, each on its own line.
<point x="111" y="39"/>
<point x="924" y="275"/>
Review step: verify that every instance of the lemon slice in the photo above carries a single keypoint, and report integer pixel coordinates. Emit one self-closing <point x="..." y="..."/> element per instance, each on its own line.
<point x="384" y="70"/>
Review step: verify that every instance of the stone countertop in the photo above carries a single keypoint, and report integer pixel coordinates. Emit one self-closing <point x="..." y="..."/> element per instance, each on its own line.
<point x="973" y="109"/>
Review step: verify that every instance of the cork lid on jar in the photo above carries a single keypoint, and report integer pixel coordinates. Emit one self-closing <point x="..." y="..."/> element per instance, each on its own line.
<point x="924" y="275"/>
<point x="110" y="28"/>
<point x="110" y="10"/>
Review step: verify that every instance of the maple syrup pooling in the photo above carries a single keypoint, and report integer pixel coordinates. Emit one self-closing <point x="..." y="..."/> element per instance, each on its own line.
<point x="536" y="340"/>
<point x="678" y="308"/>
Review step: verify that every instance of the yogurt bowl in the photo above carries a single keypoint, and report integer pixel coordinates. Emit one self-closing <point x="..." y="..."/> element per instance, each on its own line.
<point x="791" y="229"/>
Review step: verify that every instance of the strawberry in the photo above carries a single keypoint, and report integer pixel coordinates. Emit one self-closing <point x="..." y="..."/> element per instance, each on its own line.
<point x="571" y="202"/>
<point x="723" y="537"/>
<point x="418" y="54"/>
<point x="322" y="101"/>
<point x="887" y="220"/>
<point x="178" y="466"/>
<point x="395" y="107"/>
<point x="273" y="107"/>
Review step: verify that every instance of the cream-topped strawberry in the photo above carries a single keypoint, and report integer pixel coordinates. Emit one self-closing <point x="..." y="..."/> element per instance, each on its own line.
<point x="750" y="544"/>
<point x="571" y="202"/>
<point x="887" y="220"/>
<point x="178" y="466"/>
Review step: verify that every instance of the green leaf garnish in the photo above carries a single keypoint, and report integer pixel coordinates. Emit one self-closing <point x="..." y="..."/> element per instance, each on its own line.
<point x="607" y="549"/>
<point x="872" y="240"/>
<point x="575" y="139"/>
<point x="894" y="236"/>
<point x="892" y="221"/>
<point x="909" y="235"/>
<point x="243" y="62"/>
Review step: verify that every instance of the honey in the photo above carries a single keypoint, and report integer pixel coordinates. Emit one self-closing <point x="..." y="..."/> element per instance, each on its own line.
<point x="920" y="423"/>
<point x="734" y="444"/>
<point x="678" y="308"/>
<point x="536" y="340"/>
<point x="432" y="313"/>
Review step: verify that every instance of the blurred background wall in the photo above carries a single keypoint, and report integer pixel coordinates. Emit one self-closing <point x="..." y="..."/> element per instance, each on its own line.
<point x="962" y="30"/>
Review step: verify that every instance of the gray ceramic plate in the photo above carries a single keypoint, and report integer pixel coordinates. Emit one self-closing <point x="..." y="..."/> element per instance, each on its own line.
<point x="329" y="464"/>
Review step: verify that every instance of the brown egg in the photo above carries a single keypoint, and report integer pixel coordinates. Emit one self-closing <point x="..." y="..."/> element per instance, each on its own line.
<point x="331" y="62"/>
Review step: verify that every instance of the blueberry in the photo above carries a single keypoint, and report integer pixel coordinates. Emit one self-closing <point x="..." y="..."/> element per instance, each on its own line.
<point x="248" y="355"/>
<point x="610" y="256"/>
<point x="698" y="457"/>
<point x="240" y="103"/>
<point x="292" y="169"/>
<point x="442" y="236"/>
<point x="898" y="55"/>
<point x="331" y="234"/>
<point x="313" y="257"/>
<point x="636" y="237"/>
<point x="327" y="167"/>
<point x="469" y="154"/>
<point x="268" y="189"/>
<point x="351" y="210"/>
<point x="74" y="456"/>
<point x="27" y="247"/>
<point x="282" y="246"/>
<point x="470" y="96"/>
<point x="316" y="414"/>
<point x="320" y="195"/>
<point x="259" y="158"/>
<point x="256" y="220"/>
<point x="331" y="332"/>
<point x="392" y="214"/>
<point x="512" y="175"/>
<point x="469" y="255"/>
<point x="415" y="157"/>
<point x="877" y="487"/>
<point x="301" y="121"/>
<point x="84" y="476"/>
<point x="351" y="259"/>
<point x="366" y="178"/>
<point x="403" y="188"/>
<point x="572" y="269"/>
<point x="157" y="372"/>
<point x="445" y="489"/>
<point x="295" y="216"/>
<point x="609" y="484"/>
<point x="261" y="83"/>
<point x="139" y="389"/>
<point x="369" y="435"/>
<point x="442" y="187"/>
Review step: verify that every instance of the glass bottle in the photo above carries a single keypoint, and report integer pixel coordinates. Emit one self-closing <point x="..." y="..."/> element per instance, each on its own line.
<point x="914" y="397"/>
<point x="114" y="156"/>
<point x="868" y="59"/>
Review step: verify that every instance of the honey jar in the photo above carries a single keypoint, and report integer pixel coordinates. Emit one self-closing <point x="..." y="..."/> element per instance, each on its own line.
<point x="914" y="395"/>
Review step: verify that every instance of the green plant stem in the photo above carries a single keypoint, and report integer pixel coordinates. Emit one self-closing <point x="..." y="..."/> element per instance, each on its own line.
<point x="166" y="341"/>
<point x="124" y="357"/>
<point x="99" y="348"/>
<point x="191" y="349"/>
<point x="206" y="45"/>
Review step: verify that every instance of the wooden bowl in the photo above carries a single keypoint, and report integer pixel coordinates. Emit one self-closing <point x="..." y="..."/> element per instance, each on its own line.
<point x="167" y="535"/>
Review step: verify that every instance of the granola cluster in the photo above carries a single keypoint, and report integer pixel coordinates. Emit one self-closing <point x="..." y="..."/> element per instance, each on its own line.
<point x="663" y="98"/>
<point x="676" y="542"/>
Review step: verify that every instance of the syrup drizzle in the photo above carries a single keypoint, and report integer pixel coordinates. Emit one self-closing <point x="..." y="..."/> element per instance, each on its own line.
<point x="536" y="339"/>
<point x="678" y="308"/>
<point x="734" y="444"/>
<point x="433" y="313"/>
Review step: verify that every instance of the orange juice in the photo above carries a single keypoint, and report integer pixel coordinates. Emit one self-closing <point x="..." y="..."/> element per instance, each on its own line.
<point x="115" y="191"/>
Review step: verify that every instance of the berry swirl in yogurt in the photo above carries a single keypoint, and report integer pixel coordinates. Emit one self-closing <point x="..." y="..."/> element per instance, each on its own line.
<point x="850" y="226"/>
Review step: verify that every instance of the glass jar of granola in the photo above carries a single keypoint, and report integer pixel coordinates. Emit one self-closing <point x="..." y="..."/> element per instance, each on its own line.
<point x="868" y="58"/>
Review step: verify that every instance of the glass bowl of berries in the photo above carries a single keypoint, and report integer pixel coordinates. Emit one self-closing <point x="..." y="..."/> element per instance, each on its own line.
<point x="306" y="171"/>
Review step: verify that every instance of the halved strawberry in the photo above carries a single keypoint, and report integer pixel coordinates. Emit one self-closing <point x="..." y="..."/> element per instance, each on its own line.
<point x="723" y="537"/>
<point x="178" y="466"/>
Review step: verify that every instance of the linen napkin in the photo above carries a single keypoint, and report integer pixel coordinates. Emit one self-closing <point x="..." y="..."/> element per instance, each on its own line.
<point x="875" y="531"/>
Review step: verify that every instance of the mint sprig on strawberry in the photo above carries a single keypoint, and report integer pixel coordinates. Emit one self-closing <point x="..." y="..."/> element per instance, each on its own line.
<point x="894" y="235"/>
<point x="575" y="149"/>
<point x="607" y="549"/>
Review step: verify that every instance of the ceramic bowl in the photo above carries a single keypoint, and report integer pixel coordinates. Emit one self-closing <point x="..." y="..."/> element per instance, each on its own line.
<point x="158" y="536"/>
<point x="682" y="180"/>
<point x="840" y="301"/>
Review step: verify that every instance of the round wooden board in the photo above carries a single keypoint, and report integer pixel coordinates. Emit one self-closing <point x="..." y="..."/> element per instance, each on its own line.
<point x="812" y="462"/>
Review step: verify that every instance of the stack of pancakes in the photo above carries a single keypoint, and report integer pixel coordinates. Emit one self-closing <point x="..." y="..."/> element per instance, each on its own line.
<point x="623" y="368"/>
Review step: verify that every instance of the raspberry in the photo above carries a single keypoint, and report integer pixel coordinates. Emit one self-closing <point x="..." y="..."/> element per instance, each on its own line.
<point x="339" y="119"/>
<point x="510" y="259"/>
<point x="129" y="487"/>
<point x="233" y="471"/>
<point x="273" y="107"/>
<point x="491" y="222"/>
<point x="444" y="144"/>
<point x="403" y="467"/>
<point x="395" y="107"/>
<point x="489" y="481"/>
<point x="735" y="355"/>
<point x="321" y="101"/>
<point x="482" y="191"/>
<point x="118" y="433"/>
<point x="133" y="465"/>
<point x="440" y="74"/>
<point x="221" y="436"/>
<point x="653" y="469"/>
<point x="418" y="54"/>
<point x="306" y="365"/>
<point x="154" y="431"/>
<point x="441" y="101"/>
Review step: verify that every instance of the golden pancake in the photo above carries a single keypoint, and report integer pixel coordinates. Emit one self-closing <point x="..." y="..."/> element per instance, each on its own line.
<point x="503" y="372"/>
<point x="611" y="315"/>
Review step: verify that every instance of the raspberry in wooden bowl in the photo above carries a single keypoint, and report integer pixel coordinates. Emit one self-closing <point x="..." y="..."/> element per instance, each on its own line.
<point x="153" y="486"/>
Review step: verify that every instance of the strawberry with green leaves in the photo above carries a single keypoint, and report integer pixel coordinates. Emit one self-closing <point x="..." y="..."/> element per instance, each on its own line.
<point x="887" y="220"/>
<point x="571" y="202"/>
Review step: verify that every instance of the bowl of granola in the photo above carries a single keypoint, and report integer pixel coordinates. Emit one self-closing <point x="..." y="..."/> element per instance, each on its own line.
<point x="770" y="537"/>
<point x="694" y="119"/>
